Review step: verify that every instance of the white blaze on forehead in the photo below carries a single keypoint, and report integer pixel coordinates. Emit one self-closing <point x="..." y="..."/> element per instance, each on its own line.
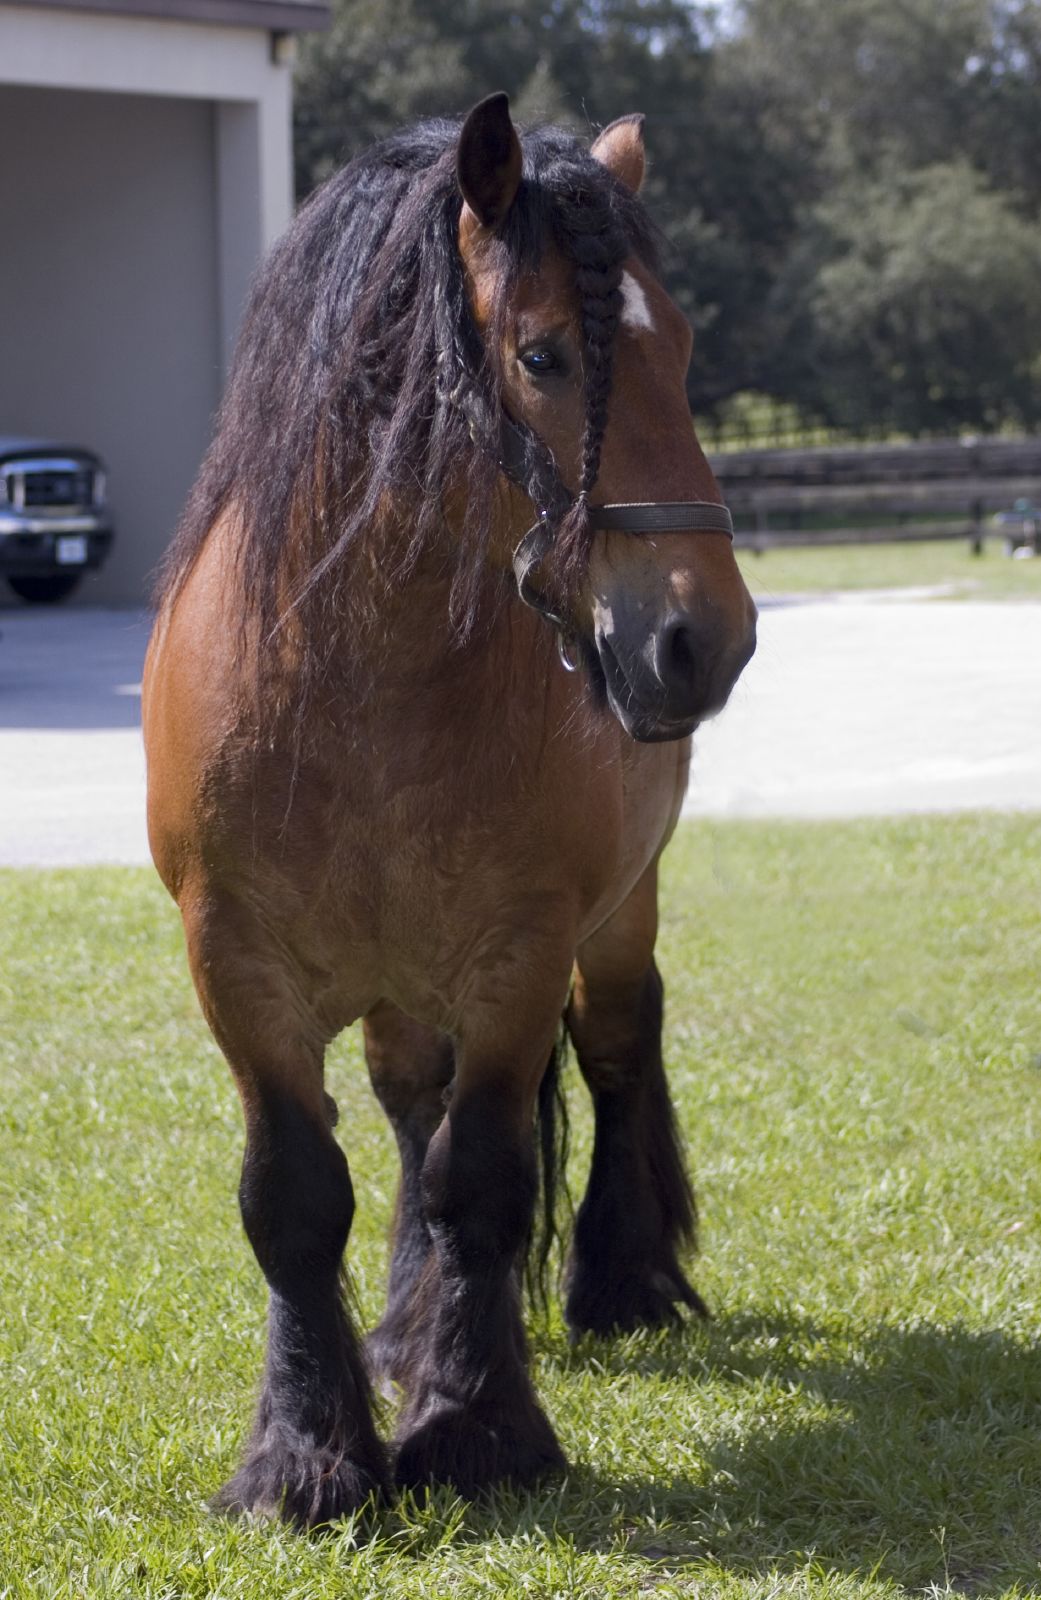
<point x="636" y="313"/>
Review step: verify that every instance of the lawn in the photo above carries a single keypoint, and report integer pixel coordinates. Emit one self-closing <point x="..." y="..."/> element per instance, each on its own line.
<point x="854" y="1031"/>
<point x="945" y="564"/>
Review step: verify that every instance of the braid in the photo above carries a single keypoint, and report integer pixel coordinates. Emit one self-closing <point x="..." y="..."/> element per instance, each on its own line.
<point x="598" y="245"/>
<point x="601" y="301"/>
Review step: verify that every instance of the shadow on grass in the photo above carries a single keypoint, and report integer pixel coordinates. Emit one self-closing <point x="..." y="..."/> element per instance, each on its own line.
<point x="914" y="1454"/>
<point x="916" y="1457"/>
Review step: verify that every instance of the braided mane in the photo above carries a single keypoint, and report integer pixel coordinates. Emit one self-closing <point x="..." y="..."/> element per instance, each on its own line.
<point x="357" y="332"/>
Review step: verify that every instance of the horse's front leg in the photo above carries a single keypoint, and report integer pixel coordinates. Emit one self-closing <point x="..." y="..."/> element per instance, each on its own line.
<point x="471" y="1417"/>
<point x="313" y="1454"/>
<point x="638" y="1214"/>
<point x="411" y="1067"/>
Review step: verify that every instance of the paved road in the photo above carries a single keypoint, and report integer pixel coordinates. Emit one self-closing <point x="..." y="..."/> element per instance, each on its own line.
<point x="72" y="770"/>
<point x="865" y="708"/>
<point x="848" y="708"/>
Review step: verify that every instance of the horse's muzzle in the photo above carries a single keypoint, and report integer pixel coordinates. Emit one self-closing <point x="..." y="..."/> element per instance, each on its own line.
<point x="664" y="679"/>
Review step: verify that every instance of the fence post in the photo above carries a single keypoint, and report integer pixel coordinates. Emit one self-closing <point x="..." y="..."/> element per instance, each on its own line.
<point x="976" y="537"/>
<point x="760" y="543"/>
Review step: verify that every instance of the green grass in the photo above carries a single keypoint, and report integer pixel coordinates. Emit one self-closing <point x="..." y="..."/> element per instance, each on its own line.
<point x="854" y="1032"/>
<point x="991" y="576"/>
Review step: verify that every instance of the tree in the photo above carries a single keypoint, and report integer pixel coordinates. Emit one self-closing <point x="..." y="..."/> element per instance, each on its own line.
<point x="878" y="81"/>
<point x="1003" y="133"/>
<point x="925" y="311"/>
<point x="799" y="165"/>
<point x="382" y="64"/>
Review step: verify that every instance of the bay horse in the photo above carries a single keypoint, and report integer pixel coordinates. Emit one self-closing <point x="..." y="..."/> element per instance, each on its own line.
<point x="451" y="592"/>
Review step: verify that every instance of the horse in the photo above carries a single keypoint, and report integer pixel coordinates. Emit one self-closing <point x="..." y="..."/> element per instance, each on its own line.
<point x="453" y="588"/>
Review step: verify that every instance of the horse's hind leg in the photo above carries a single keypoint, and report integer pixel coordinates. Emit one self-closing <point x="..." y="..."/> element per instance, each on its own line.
<point x="313" y="1454"/>
<point x="638" y="1211"/>
<point x="411" y="1068"/>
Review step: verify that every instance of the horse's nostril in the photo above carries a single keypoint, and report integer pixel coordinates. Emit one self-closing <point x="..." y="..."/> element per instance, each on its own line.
<point x="681" y="651"/>
<point x="676" y="657"/>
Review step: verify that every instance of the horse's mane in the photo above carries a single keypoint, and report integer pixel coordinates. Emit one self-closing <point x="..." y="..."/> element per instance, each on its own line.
<point x="343" y="394"/>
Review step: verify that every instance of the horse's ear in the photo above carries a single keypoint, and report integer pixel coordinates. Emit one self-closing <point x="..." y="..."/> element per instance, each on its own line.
<point x="488" y="162"/>
<point x="620" y="149"/>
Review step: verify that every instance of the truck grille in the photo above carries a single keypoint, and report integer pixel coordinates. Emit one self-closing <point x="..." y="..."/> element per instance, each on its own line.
<point x="50" y="489"/>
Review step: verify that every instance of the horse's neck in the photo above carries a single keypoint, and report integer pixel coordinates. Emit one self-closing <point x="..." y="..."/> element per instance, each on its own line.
<point x="411" y="652"/>
<point x="413" y="698"/>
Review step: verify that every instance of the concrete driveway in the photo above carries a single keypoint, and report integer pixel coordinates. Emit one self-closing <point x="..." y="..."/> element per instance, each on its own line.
<point x="849" y="707"/>
<point x="854" y="707"/>
<point x="72" y="770"/>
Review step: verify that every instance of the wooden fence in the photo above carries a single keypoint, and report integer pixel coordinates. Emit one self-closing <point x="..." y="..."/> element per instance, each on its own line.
<point x="877" y="493"/>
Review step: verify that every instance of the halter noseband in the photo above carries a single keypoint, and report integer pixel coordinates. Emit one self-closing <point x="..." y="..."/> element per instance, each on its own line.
<point x="527" y="462"/>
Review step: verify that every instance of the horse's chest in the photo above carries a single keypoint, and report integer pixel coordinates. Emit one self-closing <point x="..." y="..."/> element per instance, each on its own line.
<point x="439" y="886"/>
<point x="652" y="783"/>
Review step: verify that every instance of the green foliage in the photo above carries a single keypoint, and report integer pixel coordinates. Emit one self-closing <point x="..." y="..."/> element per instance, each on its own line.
<point x="383" y="63"/>
<point x="852" y="189"/>
<point x="854" y="1041"/>
<point x="926" y="305"/>
<point x="871" y="78"/>
<point x="909" y="299"/>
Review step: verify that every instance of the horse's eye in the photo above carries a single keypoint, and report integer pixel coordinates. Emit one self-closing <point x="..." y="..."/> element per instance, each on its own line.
<point x="539" y="359"/>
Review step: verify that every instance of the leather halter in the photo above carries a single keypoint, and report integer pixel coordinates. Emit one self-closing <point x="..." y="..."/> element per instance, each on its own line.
<point x="553" y="501"/>
<point x="527" y="462"/>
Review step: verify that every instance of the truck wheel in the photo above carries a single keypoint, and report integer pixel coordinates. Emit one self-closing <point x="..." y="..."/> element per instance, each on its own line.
<point x="45" y="591"/>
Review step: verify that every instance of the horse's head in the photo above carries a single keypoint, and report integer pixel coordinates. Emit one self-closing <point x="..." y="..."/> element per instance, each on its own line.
<point x="592" y="356"/>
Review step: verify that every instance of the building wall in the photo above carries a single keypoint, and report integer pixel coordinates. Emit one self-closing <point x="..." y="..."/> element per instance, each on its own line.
<point x="145" y="168"/>
<point x="108" y="298"/>
<point x="61" y="49"/>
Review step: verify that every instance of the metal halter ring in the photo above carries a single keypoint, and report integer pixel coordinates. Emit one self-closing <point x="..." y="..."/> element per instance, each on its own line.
<point x="563" y="641"/>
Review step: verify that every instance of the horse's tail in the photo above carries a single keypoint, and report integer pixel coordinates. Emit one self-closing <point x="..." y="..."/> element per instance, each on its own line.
<point x="551" y="1143"/>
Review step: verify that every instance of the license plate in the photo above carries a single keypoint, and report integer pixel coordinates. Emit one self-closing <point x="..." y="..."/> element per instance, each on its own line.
<point x="71" y="550"/>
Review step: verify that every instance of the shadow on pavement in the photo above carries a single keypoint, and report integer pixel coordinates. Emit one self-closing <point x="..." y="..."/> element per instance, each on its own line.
<point x="71" y="669"/>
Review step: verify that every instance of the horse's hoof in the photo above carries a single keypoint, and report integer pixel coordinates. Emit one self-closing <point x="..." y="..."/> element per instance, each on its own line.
<point x="650" y="1299"/>
<point x="305" y="1487"/>
<point x="451" y="1445"/>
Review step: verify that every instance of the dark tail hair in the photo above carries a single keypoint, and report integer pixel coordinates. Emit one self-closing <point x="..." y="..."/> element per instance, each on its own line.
<point x="552" y="1143"/>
